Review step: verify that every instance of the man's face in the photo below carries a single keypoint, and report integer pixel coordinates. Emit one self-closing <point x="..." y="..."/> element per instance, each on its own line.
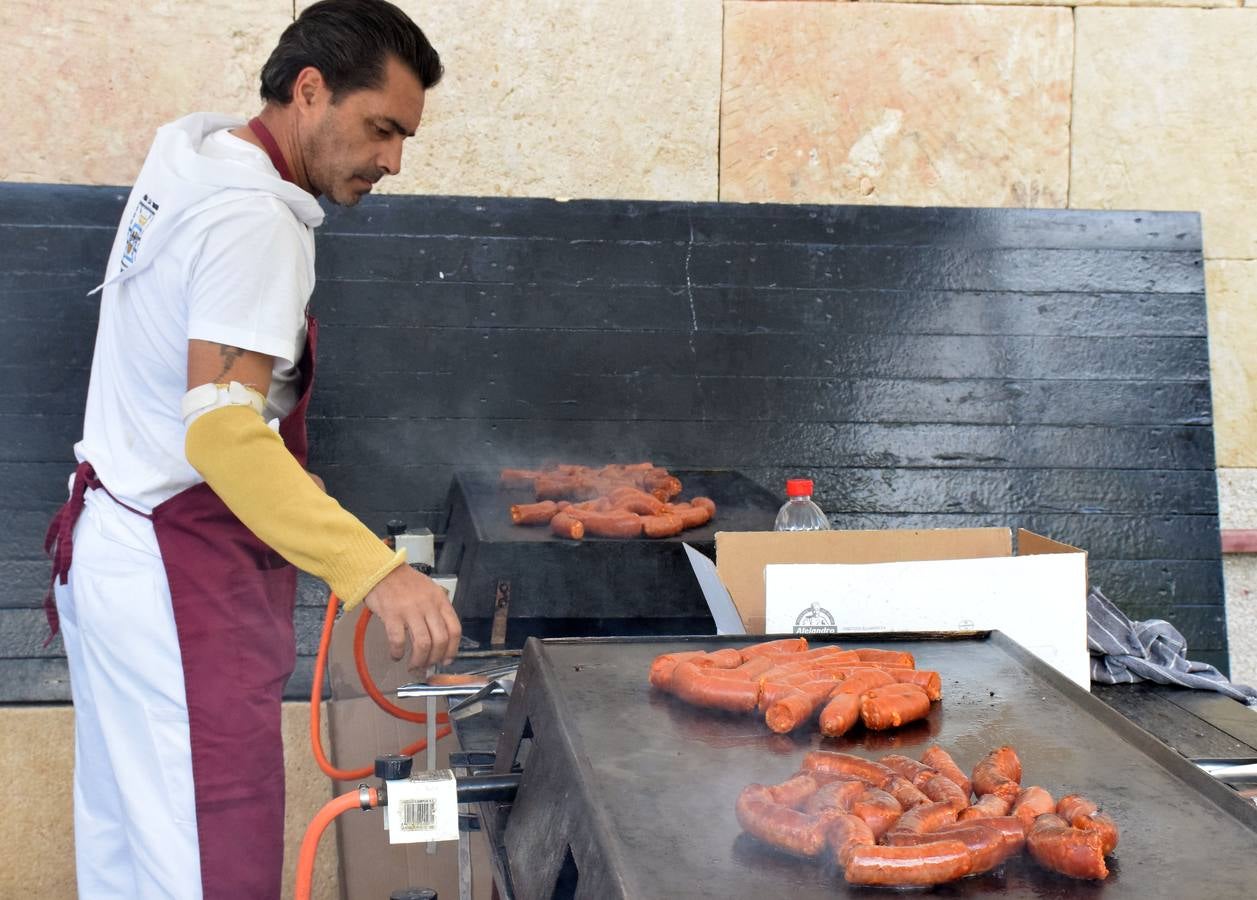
<point x="358" y="139"/>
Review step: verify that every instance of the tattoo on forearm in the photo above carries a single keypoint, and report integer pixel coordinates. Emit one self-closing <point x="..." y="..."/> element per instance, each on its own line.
<point x="229" y="355"/>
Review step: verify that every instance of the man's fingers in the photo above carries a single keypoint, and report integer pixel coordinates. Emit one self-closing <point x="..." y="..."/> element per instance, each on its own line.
<point x="395" y="631"/>
<point x="454" y="630"/>
<point x="420" y="644"/>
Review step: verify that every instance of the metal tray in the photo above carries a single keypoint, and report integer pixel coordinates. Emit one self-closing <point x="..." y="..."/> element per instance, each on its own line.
<point x="629" y="793"/>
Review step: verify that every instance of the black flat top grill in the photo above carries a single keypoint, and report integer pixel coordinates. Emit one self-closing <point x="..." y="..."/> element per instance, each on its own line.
<point x="543" y="585"/>
<point x="629" y="793"/>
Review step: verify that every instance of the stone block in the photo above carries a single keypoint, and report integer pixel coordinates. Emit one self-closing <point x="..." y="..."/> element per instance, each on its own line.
<point x="307" y="789"/>
<point x="569" y="98"/>
<point x="1231" y="289"/>
<point x="1240" y="573"/>
<point x="1164" y="108"/>
<point x="896" y="104"/>
<point x="1237" y="498"/>
<point x="87" y="84"/>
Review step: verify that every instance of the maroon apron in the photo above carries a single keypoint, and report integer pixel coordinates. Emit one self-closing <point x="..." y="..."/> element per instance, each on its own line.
<point x="233" y="603"/>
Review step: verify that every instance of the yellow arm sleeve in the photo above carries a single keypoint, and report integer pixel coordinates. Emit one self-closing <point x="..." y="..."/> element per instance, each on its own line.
<point x="247" y="465"/>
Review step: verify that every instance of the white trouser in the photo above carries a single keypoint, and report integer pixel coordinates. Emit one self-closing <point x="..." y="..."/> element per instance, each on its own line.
<point x="134" y="812"/>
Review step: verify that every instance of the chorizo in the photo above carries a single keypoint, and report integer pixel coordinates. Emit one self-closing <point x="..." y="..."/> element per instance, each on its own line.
<point x="916" y="772"/>
<point x="777" y="825"/>
<point x="700" y="688"/>
<point x="794" y="790"/>
<point x="517" y="478"/>
<point x="567" y="526"/>
<point x="834" y="763"/>
<point x="754" y="667"/>
<point x="617" y="524"/>
<point x="835" y="795"/>
<point x="932" y="863"/>
<point x="662" y="526"/>
<point x="988" y="806"/>
<point x="925" y="818"/>
<point x="774" y="648"/>
<point x="877" y="808"/>
<point x="987" y="847"/>
<point x="690" y="516"/>
<point x="1083" y="813"/>
<point x="906" y="793"/>
<point x="636" y="501"/>
<point x="923" y="678"/>
<point x="938" y="758"/>
<point x="942" y="789"/>
<point x="887" y="657"/>
<point x="534" y="513"/>
<point x="886" y="707"/>
<point x="999" y="772"/>
<point x="1007" y="826"/>
<point x="706" y="503"/>
<point x="447" y="678"/>
<point x="1031" y="803"/>
<point x="839" y="714"/>
<point x="790" y="712"/>
<point x="665" y="664"/>
<point x="1057" y="845"/>
<point x="842" y="833"/>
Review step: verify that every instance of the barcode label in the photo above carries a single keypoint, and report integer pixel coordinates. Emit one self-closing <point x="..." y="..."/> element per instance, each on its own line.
<point x="419" y="815"/>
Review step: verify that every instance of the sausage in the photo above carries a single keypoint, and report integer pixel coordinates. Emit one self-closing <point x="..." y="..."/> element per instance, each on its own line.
<point x="998" y="773"/>
<point x="924" y="678"/>
<point x="636" y="501"/>
<point x="779" y="826"/>
<point x="839" y="714"/>
<point x="791" y="711"/>
<point x="1071" y="806"/>
<point x="845" y="764"/>
<point x="938" y="758"/>
<point x="845" y="832"/>
<point x="1056" y="845"/>
<point x="1031" y="803"/>
<point x="516" y="478"/>
<point x="988" y="806"/>
<point x="887" y="657"/>
<point x="666" y="525"/>
<point x="987" y="846"/>
<point x="754" y="667"/>
<point x="906" y="793"/>
<point x="794" y="790"/>
<point x="885" y="707"/>
<point x="700" y="688"/>
<point x="665" y="664"/>
<point x="534" y="513"/>
<point x="925" y="818"/>
<point x="932" y="863"/>
<point x="1008" y="826"/>
<point x="816" y="657"/>
<point x="565" y="525"/>
<point x="836" y="795"/>
<point x="942" y="789"/>
<point x="724" y="658"/>
<point x="451" y="679"/>
<point x="1083" y="813"/>
<point x="691" y="516"/>
<point x="917" y="773"/>
<point x="617" y="524"/>
<point x="706" y="503"/>
<point x="878" y="809"/>
<point x="774" y="648"/>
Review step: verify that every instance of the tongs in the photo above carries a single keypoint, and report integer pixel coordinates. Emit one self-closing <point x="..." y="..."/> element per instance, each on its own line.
<point x="1237" y="770"/>
<point x="498" y="680"/>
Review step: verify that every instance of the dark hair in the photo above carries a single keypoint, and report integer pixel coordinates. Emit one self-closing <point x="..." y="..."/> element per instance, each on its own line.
<point x="349" y="42"/>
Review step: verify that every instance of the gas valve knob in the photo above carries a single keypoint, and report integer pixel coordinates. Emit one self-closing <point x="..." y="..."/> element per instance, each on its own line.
<point x="393" y="767"/>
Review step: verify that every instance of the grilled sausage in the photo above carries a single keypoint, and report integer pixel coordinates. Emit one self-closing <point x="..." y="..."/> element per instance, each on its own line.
<point x="888" y="707"/>
<point x="1056" y="845"/>
<point x="924" y="678"/>
<point x="636" y="501"/>
<point x="878" y="809"/>
<point x="942" y="789"/>
<point x="925" y="818"/>
<point x="917" y="773"/>
<point x="1083" y="813"/>
<point x="534" y="513"/>
<point x="791" y="711"/>
<point x="938" y="758"/>
<point x="988" y="806"/>
<point x="932" y="863"/>
<point x="698" y="687"/>
<point x="987" y="847"/>
<point x="835" y="795"/>
<point x="845" y="764"/>
<point x="999" y="772"/>
<point x="662" y="526"/>
<point x="774" y="648"/>
<point x="906" y="793"/>
<point x="1031" y="803"/>
<point x="887" y="657"/>
<point x="665" y="664"/>
<point x="567" y="526"/>
<point x="1008" y="826"/>
<point x="844" y="833"/>
<point x="691" y="516"/>
<point x="794" y="790"/>
<point x="705" y="502"/>
<point x="613" y="524"/>
<point x="777" y="825"/>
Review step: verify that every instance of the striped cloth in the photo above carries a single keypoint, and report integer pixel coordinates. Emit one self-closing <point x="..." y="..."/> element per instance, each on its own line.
<point x="1123" y="651"/>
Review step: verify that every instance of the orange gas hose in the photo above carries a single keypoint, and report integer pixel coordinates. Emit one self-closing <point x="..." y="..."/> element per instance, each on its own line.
<point x="310" y="843"/>
<point x="316" y="698"/>
<point x="364" y="675"/>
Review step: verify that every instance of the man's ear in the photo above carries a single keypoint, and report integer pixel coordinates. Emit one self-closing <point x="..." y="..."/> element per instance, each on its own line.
<point x="309" y="88"/>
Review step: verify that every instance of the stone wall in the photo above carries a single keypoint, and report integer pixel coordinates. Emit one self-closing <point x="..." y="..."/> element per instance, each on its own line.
<point x="1142" y="104"/>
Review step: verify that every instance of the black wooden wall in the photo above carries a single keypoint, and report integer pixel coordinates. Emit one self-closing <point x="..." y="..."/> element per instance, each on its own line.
<point x="928" y="367"/>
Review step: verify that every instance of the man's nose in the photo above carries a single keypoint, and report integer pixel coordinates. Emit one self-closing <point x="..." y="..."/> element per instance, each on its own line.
<point x="390" y="159"/>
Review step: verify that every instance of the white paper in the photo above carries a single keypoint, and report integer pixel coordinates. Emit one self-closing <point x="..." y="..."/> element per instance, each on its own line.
<point x="715" y="593"/>
<point x="423" y="807"/>
<point x="1039" y="601"/>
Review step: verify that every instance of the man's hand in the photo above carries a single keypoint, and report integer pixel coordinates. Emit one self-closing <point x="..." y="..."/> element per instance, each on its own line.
<point x="407" y="601"/>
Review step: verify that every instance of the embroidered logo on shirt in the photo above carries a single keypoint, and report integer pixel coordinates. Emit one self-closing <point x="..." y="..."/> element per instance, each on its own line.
<point x="144" y="212"/>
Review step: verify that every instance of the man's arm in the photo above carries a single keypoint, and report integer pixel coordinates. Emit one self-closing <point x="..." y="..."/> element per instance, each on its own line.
<point x="247" y="466"/>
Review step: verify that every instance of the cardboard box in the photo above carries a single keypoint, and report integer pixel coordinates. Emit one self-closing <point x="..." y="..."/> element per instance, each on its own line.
<point x="944" y="580"/>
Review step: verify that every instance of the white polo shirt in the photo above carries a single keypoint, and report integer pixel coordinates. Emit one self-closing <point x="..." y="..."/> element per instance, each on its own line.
<point x="213" y="245"/>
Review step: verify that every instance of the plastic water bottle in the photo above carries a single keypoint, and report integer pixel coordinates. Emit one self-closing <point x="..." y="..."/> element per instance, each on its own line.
<point x="799" y="512"/>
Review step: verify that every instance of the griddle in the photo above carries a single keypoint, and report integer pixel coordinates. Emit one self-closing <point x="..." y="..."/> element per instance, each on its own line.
<point x="629" y="793"/>
<point x="546" y="586"/>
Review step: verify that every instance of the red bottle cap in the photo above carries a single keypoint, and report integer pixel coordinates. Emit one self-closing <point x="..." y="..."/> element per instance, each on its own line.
<point x="798" y="487"/>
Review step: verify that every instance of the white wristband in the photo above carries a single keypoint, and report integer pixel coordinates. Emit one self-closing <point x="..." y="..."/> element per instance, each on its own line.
<point x="202" y="399"/>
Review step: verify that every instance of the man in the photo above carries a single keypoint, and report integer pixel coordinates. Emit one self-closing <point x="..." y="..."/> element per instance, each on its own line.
<point x="176" y="603"/>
